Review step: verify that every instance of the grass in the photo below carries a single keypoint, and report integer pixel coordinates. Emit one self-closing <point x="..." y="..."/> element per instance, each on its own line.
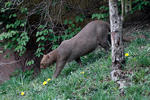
<point x="93" y="84"/>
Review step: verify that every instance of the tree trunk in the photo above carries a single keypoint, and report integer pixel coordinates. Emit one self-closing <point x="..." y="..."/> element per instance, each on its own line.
<point x="117" y="44"/>
<point x="126" y="6"/>
<point x="123" y="9"/>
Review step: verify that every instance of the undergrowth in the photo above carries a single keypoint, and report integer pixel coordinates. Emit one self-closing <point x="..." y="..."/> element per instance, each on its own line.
<point x="92" y="82"/>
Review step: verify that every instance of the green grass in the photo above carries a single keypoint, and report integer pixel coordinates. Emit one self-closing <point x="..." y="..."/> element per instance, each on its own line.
<point x="94" y="84"/>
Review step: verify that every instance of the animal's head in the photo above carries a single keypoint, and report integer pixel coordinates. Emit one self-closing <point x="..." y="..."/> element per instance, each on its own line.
<point x="46" y="61"/>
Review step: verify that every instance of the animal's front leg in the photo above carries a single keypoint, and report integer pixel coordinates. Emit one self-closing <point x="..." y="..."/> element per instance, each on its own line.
<point x="59" y="66"/>
<point x="79" y="62"/>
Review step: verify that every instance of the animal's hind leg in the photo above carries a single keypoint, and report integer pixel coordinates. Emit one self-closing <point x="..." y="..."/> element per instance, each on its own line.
<point x="59" y="66"/>
<point x="105" y="46"/>
<point x="79" y="62"/>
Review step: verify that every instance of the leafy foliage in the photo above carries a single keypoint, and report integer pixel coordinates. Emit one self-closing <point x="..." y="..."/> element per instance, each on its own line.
<point x="139" y="5"/>
<point x="16" y="33"/>
<point x="103" y="15"/>
<point x="41" y="37"/>
<point x="15" y="36"/>
<point x="45" y="35"/>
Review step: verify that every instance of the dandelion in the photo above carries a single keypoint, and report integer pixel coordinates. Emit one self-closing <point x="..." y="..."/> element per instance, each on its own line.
<point x="22" y="93"/>
<point x="45" y="82"/>
<point x="126" y="54"/>
<point x="48" y="79"/>
<point x="82" y="72"/>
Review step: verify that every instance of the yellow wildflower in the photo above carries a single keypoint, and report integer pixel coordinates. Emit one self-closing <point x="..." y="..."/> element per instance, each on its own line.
<point x="82" y="72"/>
<point x="22" y="93"/>
<point x="48" y="79"/>
<point x="45" y="82"/>
<point x="126" y="54"/>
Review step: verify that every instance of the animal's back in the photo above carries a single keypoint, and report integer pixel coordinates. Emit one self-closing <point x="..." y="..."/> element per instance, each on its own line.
<point x="93" y="28"/>
<point x="89" y="37"/>
<point x="85" y="41"/>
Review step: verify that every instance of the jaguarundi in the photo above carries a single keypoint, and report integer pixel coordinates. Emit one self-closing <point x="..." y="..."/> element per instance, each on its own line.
<point x="93" y="34"/>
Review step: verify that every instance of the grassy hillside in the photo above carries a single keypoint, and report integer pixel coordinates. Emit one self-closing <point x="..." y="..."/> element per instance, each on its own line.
<point x="92" y="82"/>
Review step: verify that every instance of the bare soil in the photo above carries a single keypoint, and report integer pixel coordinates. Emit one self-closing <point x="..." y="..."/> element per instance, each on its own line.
<point x="8" y="65"/>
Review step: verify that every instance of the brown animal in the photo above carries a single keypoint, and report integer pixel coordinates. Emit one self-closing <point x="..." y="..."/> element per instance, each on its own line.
<point x="93" y="34"/>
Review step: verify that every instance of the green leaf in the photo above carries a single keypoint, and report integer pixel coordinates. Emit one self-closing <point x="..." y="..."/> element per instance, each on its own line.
<point x="66" y="22"/>
<point x="31" y="62"/>
<point x="37" y="34"/>
<point x="70" y="22"/>
<point x="73" y="25"/>
<point x="41" y="26"/>
<point x="40" y="38"/>
<point x="8" y="4"/>
<point x="50" y="30"/>
<point x="79" y="19"/>
<point x="14" y="15"/>
<point x="3" y="10"/>
<point x="22" y="25"/>
<point x="7" y="26"/>
<point x="23" y="10"/>
<point x="17" y="22"/>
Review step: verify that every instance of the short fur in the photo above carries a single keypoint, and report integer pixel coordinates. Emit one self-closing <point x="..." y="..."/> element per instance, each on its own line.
<point x="93" y="34"/>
